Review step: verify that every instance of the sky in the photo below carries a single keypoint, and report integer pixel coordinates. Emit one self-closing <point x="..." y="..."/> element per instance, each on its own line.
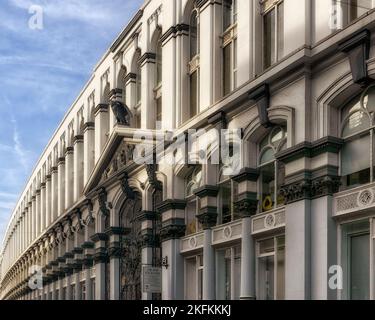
<point x="48" y="49"/>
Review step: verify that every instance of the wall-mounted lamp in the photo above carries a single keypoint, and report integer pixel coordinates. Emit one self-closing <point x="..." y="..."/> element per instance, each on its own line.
<point x="164" y="262"/>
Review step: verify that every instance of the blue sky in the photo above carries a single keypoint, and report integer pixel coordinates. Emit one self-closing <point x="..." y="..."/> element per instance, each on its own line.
<point x="41" y="74"/>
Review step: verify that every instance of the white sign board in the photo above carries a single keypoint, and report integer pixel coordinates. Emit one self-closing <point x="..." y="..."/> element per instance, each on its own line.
<point x="151" y="279"/>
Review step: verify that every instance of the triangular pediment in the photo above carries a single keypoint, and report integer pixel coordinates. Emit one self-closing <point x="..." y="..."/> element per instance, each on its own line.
<point x="117" y="155"/>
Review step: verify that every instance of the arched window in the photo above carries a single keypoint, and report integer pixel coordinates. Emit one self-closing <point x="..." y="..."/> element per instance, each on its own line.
<point x="357" y="130"/>
<point x="272" y="172"/>
<point x="194" y="64"/>
<point x="193" y="182"/>
<point x="158" y="82"/>
<point x="229" y="45"/>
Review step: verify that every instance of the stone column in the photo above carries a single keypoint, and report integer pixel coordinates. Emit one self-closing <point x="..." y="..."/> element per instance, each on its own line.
<point x="88" y="150"/>
<point x="148" y="242"/>
<point x="37" y="213"/>
<point x="101" y="128"/>
<point x="310" y="231"/>
<point x="69" y="177"/>
<point x="208" y="218"/>
<point x="245" y="207"/>
<point x="173" y="228"/>
<point x="54" y="193"/>
<point x="33" y="219"/>
<point x="114" y="234"/>
<point x="210" y="20"/>
<point x="43" y="206"/>
<point x="147" y="63"/>
<point x="61" y="187"/>
<point x="48" y="215"/>
<point x="78" y="167"/>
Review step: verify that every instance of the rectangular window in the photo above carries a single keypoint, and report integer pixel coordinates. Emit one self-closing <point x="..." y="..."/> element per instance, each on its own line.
<point x="228" y="266"/>
<point x="357" y="8"/>
<point x="227" y="56"/>
<point x="93" y="288"/>
<point x="159" y="110"/>
<point x="192" y="223"/>
<point x="83" y="290"/>
<point x="273" y="32"/>
<point x="271" y="269"/>
<point x="194" y="94"/>
<point x="355" y="254"/>
<point x="194" y="278"/>
<point x="73" y="291"/>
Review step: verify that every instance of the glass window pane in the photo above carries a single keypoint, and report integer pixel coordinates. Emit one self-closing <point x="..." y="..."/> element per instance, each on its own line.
<point x="227" y="69"/>
<point x="359" y="267"/>
<point x="280" y="30"/>
<point x="193" y="35"/>
<point x="191" y="225"/>
<point x="356" y="122"/>
<point x="267" y="156"/>
<point x="193" y="94"/>
<point x="159" y="110"/>
<point x="355" y="156"/>
<point x="226" y="202"/>
<point x="267" y="246"/>
<point x="268" y="186"/>
<point x="227" y="14"/>
<point x="269" y="38"/>
<point x="280" y="183"/>
<point x="359" y="7"/>
<point x="369" y="99"/>
<point x="280" y="286"/>
<point x="356" y="260"/>
<point x="190" y="279"/>
<point x="266" y="278"/>
<point x="159" y="59"/>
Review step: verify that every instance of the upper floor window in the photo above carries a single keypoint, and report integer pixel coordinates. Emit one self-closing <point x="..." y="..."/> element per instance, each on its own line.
<point x="273" y="31"/>
<point x="356" y="8"/>
<point x="158" y="83"/>
<point x="357" y="129"/>
<point x="194" y="64"/>
<point x="272" y="172"/>
<point x="229" y="45"/>
<point x="229" y="13"/>
<point x="193" y="182"/>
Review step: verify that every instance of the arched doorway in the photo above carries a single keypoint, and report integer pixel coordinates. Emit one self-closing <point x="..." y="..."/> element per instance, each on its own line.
<point x="131" y="250"/>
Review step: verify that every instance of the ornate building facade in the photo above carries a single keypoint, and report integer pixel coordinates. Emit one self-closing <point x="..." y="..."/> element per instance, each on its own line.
<point x="296" y="77"/>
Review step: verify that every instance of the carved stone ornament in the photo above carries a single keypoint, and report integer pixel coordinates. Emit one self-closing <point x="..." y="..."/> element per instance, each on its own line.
<point x="103" y="204"/>
<point x="122" y="157"/>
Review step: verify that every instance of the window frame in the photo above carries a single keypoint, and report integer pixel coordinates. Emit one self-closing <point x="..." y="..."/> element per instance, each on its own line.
<point x="264" y="11"/>
<point x="261" y="151"/>
<point x="194" y="66"/>
<point x="229" y="37"/>
<point x="273" y="254"/>
<point x="199" y="265"/>
<point x="189" y="180"/>
<point x="360" y="134"/>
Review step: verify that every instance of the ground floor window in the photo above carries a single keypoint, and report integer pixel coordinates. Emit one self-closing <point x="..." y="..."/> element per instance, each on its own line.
<point x="271" y="269"/>
<point x="93" y="288"/>
<point x="194" y="278"/>
<point x="228" y="276"/>
<point x="73" y="291"/>
<point x="64" y="293"/>
<point x="83" y="290"/>
<point x="355" y="255"/>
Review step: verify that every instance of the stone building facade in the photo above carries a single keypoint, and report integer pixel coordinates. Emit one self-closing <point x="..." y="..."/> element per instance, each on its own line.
<point x="295" y="77"/>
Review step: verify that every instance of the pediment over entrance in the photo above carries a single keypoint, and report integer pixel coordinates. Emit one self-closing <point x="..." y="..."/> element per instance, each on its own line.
<point x="116" y="156"/>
